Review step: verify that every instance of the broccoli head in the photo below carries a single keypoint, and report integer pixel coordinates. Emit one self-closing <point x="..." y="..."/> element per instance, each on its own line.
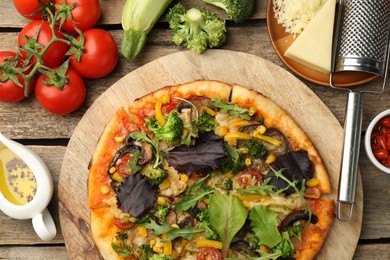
<point x="237" y="10"/>
<point x="162" y="211"/>
<point x="145" y="252"/>
<point x="171" y="131"/>
<point x="256" y="150"/>
<point x="196" y="29"/>
<point x="155" y="175"/>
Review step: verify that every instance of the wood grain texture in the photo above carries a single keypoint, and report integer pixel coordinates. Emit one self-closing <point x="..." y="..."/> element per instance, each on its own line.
<point x="112" y="10"/>
<point x="232" y="67"/>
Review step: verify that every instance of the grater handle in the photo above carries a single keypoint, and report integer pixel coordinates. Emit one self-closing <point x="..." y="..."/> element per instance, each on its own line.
<point x="350" y="156"/>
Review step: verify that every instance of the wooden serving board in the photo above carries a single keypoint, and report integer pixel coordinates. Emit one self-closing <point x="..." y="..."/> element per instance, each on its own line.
<point x="228" y="66"/>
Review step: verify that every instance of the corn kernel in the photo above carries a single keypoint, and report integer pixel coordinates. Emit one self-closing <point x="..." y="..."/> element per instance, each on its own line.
<point x="261" y="129"/>
<point x="209" y="111"/>
<point x="312" y="182"/>
<point x="229" y="174"/>
<point x="184" y="178"/>
<point x="244" y="150"/>
<point x="166" y="99"/>
<point x="248" y="162"/>
<point x="142" y="231"/>
<point x="223" y="130"/>
<point x="161" y="200"/>
<point x="112" y="169"/>
<point x="263" y="248"/>
<point x="246" y="204"/>
<point x="270" y="158"/>
<point x="164" y="184"/>
<point x="119" y="139"/>
<point x="117" y="177"/>
<point x="157" y="249"/>
<point x="167" y="246"/>
<point x="252" y="111"/>
<point x="175" y="225"/>
<point x="105" y="189"/>
<point x="152" y="242"/>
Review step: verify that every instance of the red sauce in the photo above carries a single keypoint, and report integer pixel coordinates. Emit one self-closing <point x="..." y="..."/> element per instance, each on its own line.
<point x="380" y="141"/>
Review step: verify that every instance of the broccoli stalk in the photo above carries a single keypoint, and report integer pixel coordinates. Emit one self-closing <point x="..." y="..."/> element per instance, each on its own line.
<point x="196" y="29"/>
<point x="237" y="10"/>
<point x="138" y="18"/>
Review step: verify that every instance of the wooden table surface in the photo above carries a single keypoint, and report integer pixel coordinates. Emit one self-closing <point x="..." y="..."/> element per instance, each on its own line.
<point x="48" y="134"/>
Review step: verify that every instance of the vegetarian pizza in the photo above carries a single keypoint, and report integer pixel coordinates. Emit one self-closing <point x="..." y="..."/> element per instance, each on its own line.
<point x="207" y="170"/>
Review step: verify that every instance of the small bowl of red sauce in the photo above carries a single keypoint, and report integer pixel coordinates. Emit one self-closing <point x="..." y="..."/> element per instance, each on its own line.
<point x="377" y="141"/>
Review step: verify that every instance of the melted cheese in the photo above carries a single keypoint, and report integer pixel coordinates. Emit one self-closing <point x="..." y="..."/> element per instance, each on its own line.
<point x="313" y="47"/>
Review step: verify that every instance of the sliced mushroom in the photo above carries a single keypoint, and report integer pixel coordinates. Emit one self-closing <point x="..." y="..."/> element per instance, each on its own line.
<point x="146" y="154"/>
<point x="243" y="248"/>
<point x="297" y="215"/>
<point x="185" y="220"/>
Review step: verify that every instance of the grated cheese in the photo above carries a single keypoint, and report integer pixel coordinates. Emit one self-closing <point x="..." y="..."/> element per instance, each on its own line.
<point x="294" y="15"/>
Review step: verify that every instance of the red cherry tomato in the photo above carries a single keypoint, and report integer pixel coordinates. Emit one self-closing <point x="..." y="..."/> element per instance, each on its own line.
<point x="122" y="166"/>
<point x="385" y="122"/>
<point x="55" y="54"/>
<point x="9" y="91"/>
<point x="123" y="224"/>
<point x="384" y="130"/>
<point x="29" y="8"/>
<point x="250" y="178"/>
<point x="381" y="154"/>
<point x="85" y="15"/>
<point x="381" y="140"/>
<point x="100" y="54"/>
<point x="61" y="101"/>
<point x="209" y="253"/>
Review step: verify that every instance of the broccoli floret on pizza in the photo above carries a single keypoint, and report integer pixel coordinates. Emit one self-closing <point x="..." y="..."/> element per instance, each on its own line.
<point x="170" y="131"/>
<point x="155" y="175"/>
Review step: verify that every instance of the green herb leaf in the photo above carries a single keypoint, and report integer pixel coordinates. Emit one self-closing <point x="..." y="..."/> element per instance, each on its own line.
<point x="142" y="136"/>
<point x="227" y="216"/>
<point x="133" y="163"/>
<point x="230" y="108"/>
<point x="121" y="247"/>
<point x="190" y="201"/>
<point x="265" y="225"/>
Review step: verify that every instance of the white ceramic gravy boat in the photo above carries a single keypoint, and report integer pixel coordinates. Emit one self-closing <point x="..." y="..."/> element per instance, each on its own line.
<point x="36" y="209"/>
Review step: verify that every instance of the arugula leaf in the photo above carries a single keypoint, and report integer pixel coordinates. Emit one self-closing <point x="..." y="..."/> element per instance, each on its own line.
<point x="230" y="108"/>
<point x="206" y="123"/>
<point x="142" y="136"/>
<point x="233" y="161"/>
<point x="286" y="246"/>
<point x="186" y="233"/>
<point x="227" y="216"/>
<point x="121" y="247"/>
<point x="264" y="224"/>
<point x="263" y="189"/>
<point x="193" y="194"/>
<point x="133" y="163"/>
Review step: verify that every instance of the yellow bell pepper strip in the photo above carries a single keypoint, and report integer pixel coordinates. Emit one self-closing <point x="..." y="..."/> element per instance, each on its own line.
<point x="167" y="246"/>
<point x="209" y="243"/>
<point x="238" y="136"/>
<point x="159" y="115"/>
<point x="268" y="139"/>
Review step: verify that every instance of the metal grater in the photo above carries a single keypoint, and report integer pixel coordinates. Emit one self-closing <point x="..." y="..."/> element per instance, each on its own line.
<point x="363" y="36"/>
<point x="361" y="43"/>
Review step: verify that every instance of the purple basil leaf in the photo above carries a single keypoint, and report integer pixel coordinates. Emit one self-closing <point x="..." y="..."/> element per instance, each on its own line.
<point x="203" y="157"/>
<point x="136" y="196"/>
<point x="298" y="167"/>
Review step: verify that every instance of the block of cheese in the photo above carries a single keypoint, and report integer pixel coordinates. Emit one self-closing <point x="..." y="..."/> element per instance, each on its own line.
<point x="313" y="47"/>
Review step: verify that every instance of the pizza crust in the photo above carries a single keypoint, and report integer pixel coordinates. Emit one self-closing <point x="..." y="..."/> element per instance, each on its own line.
<point x="98" y="181"/>
<point x="276" y="117"/>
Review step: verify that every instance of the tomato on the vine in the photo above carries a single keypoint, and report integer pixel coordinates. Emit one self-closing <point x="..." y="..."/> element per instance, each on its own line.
<point x="85" y="15"/>
<point x="61" y="101"/>
<point x="9" y="91"/>
<point x="209" y="253"/>
<point x="99" y="57"/>
<point x="55" y="54"/>
<point x="30" y="8"/>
